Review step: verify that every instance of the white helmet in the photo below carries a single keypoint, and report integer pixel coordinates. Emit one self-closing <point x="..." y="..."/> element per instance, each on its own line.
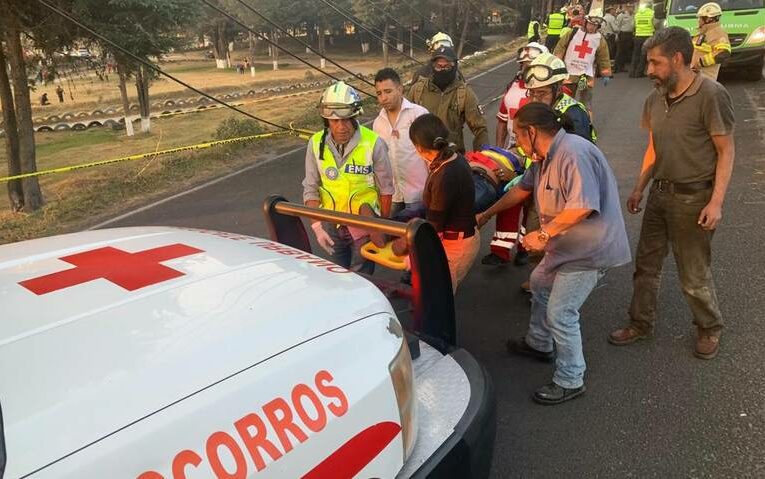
<point x="531" y="51"/>
<point x="546" y="69"/>
<point x="709" y="10"/>
<point x="340" y="101"/>
<point x="440" y="39"/>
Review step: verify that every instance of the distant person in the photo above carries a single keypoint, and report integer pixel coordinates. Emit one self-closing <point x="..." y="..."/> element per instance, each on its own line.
<point x="446" y="94"/>
<point x="556" y="21"/>
<point x="644" y="28"/>
<point x="585" y="53"/>
<point x="44" y="99"/>
<point x="711" y="46"/>
<point x="625" y="34"/>
<point x="690" y="155"/>
<point x="60" y="94"/>
<point x="609" y="31"/>
<point x="392" y="124"/>
<point x="533" y="30"/>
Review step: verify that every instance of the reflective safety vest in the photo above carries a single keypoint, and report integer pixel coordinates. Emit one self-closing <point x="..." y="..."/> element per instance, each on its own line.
<point x="555" y="23"/>
<point x="530" y="33"/>
<point x="644" y="22"/>
<point x="565" y="102"/>
<point x="346" y="189"/>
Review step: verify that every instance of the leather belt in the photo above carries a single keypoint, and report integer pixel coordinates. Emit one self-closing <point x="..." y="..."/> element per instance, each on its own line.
<point x="483" y="174"/>
<point x="456" y="235"/>
<point x="667" y="186"/>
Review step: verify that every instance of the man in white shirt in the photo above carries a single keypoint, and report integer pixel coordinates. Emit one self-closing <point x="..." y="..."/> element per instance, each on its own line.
<point x="609" y="31"/>
<point x="392" y="125"/>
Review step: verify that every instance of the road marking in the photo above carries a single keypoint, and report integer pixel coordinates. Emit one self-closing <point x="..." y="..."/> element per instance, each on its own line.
<point x="243" y="170"/>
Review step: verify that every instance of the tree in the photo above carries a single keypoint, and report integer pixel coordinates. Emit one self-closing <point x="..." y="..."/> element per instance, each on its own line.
<point x="15" y="191"/>
<point x="16" y="17"/>
<point x="148" y="29"/>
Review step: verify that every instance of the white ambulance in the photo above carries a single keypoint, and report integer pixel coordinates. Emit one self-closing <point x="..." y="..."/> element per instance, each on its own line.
<point x="166" y="353"/>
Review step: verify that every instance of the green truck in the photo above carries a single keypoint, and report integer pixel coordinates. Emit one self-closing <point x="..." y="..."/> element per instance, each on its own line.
<point x="743" y="20"/>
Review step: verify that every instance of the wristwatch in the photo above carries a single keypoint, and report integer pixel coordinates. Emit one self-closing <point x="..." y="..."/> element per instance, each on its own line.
<point x="543" y="235"/>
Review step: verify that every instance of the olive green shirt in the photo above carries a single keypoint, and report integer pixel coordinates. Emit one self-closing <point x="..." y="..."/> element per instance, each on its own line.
<point x="683" y="130"/>
<point x="446" y="106"/>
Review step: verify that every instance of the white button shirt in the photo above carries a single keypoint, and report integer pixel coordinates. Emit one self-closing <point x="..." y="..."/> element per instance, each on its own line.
<point x="409" y="170"/>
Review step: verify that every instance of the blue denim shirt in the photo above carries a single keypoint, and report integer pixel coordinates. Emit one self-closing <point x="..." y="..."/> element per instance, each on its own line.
<point x="576" y="175"/>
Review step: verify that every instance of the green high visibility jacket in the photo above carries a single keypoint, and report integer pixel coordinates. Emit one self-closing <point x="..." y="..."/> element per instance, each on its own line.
<point x="644" y="22"/>
<point x="555" y="23"/>
<point x="348" y="188"/>
<point x="533" y="29"/>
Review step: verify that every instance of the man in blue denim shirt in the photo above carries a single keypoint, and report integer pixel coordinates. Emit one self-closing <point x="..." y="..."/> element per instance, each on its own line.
<point x="582" y="234"/>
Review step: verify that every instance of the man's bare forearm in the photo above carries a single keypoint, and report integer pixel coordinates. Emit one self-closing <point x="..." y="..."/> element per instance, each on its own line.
<point x="515" y="196"/>
<point x="726" y="152"/>
<point x="565" y="220"/>
<point x="646" y="169"/>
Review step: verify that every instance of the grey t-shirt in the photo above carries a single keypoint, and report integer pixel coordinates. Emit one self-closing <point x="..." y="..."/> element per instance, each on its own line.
<point x="576" y="175"/>
<point x="682" y="132"/>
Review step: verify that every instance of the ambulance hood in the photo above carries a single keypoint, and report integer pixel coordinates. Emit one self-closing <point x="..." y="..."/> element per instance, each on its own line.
<point x="134" y="319"/>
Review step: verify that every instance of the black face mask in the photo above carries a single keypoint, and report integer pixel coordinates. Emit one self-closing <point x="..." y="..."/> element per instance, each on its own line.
<point x="444" y="78"/>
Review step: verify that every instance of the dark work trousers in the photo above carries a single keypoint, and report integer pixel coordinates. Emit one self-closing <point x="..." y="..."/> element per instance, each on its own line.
<point x="671" y="219"/>
<point x="551" y="41"/>
<point x="624" y="51"/>
<point x="611" y="42"/>
<point x="637" y="68"/>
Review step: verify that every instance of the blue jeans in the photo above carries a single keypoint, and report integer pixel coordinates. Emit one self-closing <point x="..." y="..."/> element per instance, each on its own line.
<point x="404" y="212"/>
<point x="556" y="299"/>
<point x="346" y="250"/>
<point x="486" y="194"/>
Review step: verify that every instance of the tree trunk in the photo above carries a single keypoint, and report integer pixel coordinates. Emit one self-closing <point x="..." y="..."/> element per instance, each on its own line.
<point x="274" y="49"/>
<point x="322" y="42"/>
<point x="142" y="88"/>
<point x="220" y="44"/>
<point x="411" y="40"/>
<point x="121" y="73"/>
<point x="15" y="190"/>
<point x="33" y="198"/>
<point x="385" y="44"/>
<point x="466" y="22"/>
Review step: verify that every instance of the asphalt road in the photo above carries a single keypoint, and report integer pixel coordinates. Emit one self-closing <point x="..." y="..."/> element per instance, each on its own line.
<point x="651" y="409"/>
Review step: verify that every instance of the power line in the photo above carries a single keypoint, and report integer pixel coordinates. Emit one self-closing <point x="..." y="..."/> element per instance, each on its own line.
<point x="263" y="37"/>
<point x="271" y="22"/>
<point x="372" y="4"/>
<point x="441" y="27"/>
<point x="360" y="24"/>
<point x="156" y="68"/>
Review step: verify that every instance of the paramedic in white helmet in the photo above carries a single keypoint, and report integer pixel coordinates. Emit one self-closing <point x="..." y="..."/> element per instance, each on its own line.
<point x="515" y="95"/>
<point x="346" y="170"/>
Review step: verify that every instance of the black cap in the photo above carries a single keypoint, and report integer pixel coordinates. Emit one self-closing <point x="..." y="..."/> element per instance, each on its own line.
<point x="444" y="52"/>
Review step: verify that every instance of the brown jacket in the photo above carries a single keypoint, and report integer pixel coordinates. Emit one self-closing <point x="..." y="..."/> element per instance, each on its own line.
<point x="455" y="106"/>
<point x="710" y="47"/>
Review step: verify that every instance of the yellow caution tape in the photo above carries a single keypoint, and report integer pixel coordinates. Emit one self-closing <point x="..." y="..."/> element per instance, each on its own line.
<point x="305" y="134"/>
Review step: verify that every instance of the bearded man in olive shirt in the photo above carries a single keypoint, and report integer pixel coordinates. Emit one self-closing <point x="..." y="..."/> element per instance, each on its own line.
<point x="690" y="159"/>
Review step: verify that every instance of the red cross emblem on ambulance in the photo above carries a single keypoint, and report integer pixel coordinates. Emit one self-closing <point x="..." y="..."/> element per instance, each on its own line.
<point x="130" y="271"/>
